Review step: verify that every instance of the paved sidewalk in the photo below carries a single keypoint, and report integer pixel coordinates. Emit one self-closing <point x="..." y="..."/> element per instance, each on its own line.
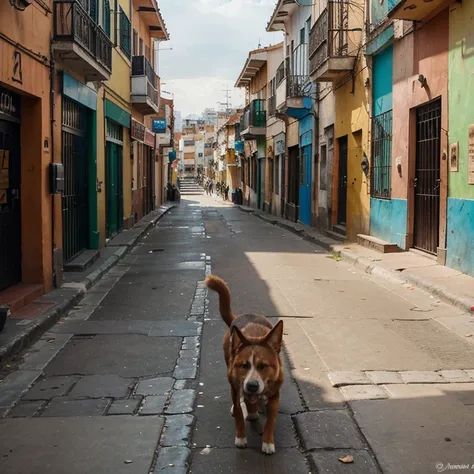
<point x="443" y="282"/>
<point x="34" y="319"/>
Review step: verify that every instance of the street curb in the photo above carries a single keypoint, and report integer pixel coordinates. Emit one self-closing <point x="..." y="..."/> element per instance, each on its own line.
<point x="47" y="320"/>
<point x="463" y="302"/>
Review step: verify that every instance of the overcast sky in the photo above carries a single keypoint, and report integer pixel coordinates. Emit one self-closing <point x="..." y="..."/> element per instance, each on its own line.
<point x="210" y="40"/>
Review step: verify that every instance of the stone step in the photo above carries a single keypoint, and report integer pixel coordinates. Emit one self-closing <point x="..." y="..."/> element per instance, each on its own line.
<point x="377" y="244"/>
<point x="82" y="261"/>
<point x="340" y="229"/>
<point x="335" y="235"/>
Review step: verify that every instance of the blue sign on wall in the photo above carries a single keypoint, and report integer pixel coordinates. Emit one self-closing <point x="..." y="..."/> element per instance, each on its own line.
<point x="158" y="126"/>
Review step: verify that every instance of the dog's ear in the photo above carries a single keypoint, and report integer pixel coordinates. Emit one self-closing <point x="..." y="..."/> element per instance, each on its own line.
<point x="275" y="336"/>
<point x="237" y="339"/>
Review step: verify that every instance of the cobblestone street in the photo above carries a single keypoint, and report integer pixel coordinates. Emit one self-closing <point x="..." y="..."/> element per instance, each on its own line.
<point x="133" y="380"/>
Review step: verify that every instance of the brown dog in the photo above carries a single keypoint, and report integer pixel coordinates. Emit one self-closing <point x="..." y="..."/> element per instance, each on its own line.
<point x="254" y="369"/>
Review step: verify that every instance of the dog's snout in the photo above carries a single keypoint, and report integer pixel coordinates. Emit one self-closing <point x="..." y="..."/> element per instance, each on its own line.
<point x="252" y="387"/>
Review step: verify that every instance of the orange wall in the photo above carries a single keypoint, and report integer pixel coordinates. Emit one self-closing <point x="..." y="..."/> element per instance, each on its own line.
<point x="31" y="30"/>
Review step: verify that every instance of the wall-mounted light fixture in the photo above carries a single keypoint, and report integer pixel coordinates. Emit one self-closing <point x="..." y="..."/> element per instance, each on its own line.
<point x="422" y="80"/>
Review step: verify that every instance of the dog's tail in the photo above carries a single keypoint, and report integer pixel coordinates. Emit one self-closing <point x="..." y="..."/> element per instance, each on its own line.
<point x="220" y="287"/>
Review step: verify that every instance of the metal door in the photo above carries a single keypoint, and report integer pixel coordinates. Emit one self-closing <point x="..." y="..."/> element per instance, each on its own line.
<point x="10" y="208"/>
<point x="305" y="185"/>
<point x="427" y="176"/>
<point x="282" y="185"/>
<point x="114" y="188"/>
<point x="342" y="188"/>
<point x="75" y="202"/>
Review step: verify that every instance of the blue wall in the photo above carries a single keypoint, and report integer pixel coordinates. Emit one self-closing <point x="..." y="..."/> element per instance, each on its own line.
<point x="461" y="235"/>
<point x="306" y="128"/>
<point x="382" y="77"/>
<point x="388" y="220"/>
<point x="388" y="217"/>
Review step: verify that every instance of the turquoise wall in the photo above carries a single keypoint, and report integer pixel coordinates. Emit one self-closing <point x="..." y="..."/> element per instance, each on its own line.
<point x="388" y="220"/>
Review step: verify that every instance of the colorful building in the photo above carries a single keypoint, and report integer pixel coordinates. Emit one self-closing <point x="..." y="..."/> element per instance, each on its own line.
<point x="148" y="31"/>
<point x="295" y="105"/>
<point x="460" y="207"/>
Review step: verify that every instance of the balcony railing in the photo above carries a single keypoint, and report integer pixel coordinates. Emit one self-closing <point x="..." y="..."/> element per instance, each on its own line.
<point x="254" y="115"/>
<point x="330" y="37"/>
<point x="145" y="85"/>
<point x="297" y="86"/>
<point x="72" y="23"/>
<point x="142" y="67"/>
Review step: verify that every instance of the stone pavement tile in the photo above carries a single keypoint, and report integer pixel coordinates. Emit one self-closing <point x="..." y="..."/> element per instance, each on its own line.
<point x="186" y="368"/>
<point x="364" y="344"/>
<point x="189" y="353"/>
<point x="79" y="445"/>
<point x="50" y="387"/>
<point x="14" y="385"/>
<point x="364" y="392"/>
<point x="154" y="386"/>
<point x="153" y="405"/>
<point x="411" y="434"/>
<point x="125" y="355"/>
<point x="248" y="461"/>
<point x="27" y="409"/>
<point x="327" y="462"/>
<point x="175" y="328"/>
<point x="101" y="386"/>
<point x="328" y="429"/>
<point x="181" y="401"/>
<point x="464" y="392"/>
<point x="421" y="376"/>
<point x="455" y="376"/>
<point x="470" y="372"/>
<point x="93" y="298"/>
<point x="103" y="327"/>
<point x="42" y="352"/>
<point x="172" y="460"/>
<point x="124" y="407"/>
<point x="177" y="431"/>
<point x="381" y="377"/>
<point x="63" y="407"/>
<point x="342" y="378"/>
<point x="414" y="390"/>
<point x="308" y="370"/>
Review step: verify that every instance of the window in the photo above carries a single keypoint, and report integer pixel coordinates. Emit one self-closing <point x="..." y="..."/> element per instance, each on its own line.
<point x="107" y="17"/>
<point x="381" y="166"/>
<point x="125" y="34"/>
<point x="140" y="47"/>
<point x="303" y="35"/>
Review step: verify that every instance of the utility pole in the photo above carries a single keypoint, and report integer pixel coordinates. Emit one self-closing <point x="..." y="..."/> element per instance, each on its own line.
<point x="226" y="103"/>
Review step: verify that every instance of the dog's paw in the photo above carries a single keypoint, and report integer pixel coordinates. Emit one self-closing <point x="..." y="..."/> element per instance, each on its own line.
<point x="252" y="416"/>
<point x="241" y="442"/>
<point x="268" y="448"/>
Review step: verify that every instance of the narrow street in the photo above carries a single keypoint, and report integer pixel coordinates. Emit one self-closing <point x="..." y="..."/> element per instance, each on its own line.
<point x="133" y="380"/>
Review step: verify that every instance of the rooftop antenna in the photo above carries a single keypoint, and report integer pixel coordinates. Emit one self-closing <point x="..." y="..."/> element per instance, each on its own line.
<point x="226" y="103"/>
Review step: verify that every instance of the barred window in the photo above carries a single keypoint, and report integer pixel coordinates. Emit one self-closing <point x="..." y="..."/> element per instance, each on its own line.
<point x="381" y="166"/>
<point x="107" y="17"/>
<point x="125" y="34"/>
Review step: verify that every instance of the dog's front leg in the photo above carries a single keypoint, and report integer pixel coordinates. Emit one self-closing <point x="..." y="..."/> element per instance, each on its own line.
<point x="273" y="405"/>
<point x="240" y="438"/>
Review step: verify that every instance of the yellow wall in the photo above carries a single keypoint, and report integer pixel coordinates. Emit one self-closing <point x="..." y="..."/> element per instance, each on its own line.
<point x="352" y="120"/>
<point x="118" y="90"/>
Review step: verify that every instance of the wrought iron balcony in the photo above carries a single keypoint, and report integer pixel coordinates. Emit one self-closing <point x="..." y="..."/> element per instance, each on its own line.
<point x="254" y="119"/>
<point x="145" y="86"/>
<point x="80" y="43"/>
<point x="334" y="41"/>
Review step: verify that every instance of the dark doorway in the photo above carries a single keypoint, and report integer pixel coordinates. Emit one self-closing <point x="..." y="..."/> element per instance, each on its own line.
<point x="342" y="188"/>
<point x="427" y="177"/>
<point x="10" y="205"/>
<point x="292" y="205"/>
